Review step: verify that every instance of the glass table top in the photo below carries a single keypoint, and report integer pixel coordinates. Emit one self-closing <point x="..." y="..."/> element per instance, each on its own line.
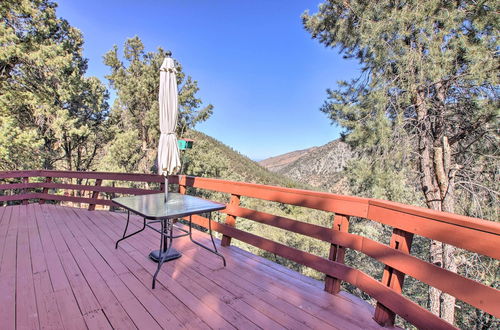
<point x="177" y="205"/>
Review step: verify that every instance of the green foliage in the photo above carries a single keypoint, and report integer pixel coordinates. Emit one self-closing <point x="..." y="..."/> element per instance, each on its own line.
<point x="443" y="52"/>
<point x="424" y="113"/>
<point x="487" y="271"/>
<point x="135" y="112"/>
<point x="43" y="91"/>
<point x="123" y="154"/>
<point x="389" y="179"/>
<point x="16" y="147"/>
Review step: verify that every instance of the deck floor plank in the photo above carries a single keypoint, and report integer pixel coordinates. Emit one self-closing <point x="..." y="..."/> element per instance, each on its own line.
<point x="5" y="213"/>
<point x="48" y="311"/>
<point x="4" y="226"/>
<point x="67" y="305"/>
<point x="71" y="277"/>
<point x="95" y="252"/>
<point x="8" y="271"/>
<point x="81" y="251"/>
<point x="321" y="308"/>
<point x="26" y="307"/>
<point x="289" y="315"/>
<point x="88" y="303"/>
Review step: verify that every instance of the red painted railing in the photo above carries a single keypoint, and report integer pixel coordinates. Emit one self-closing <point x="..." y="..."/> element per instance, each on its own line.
<point x="472" y="234"/>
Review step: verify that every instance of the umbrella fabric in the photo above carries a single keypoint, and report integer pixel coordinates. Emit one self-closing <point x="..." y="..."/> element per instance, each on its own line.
<point x="168" y="151"/>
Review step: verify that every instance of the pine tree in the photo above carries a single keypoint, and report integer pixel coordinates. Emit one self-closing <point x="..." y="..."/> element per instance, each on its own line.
<point x="427" y="100"/>
<point x="135" y="111"/>
<point x="54" y="113"/>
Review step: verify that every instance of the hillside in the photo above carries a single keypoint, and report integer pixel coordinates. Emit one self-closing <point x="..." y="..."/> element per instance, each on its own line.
<point x="276" y="163"/>
<point x="320" y="167"/>
<point x="213" y="159"/>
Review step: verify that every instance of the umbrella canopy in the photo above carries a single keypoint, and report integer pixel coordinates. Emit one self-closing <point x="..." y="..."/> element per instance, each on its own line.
<point x="168" y="152"/>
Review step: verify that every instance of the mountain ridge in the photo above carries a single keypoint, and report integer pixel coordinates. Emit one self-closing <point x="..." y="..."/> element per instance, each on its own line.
<point x="276" y="163"/>
<point x="212" y="158"/>
<point x="320" y="167"/>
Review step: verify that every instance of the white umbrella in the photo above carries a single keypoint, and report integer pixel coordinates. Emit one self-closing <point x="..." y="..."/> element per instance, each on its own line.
<point x="168" y="152"/>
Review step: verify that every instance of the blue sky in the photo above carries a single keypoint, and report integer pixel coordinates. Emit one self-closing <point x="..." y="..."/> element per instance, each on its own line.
<point x="253" y="61"/>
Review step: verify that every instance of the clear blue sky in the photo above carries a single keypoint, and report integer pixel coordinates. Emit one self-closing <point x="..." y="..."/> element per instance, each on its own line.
<point x="253" y="61"/>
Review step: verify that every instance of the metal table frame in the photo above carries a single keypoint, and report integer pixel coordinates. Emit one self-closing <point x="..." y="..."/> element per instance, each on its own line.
<point x="167" y="223"/>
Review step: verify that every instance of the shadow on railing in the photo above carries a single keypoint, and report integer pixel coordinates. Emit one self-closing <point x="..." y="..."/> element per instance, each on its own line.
<point x="475" y="235"/>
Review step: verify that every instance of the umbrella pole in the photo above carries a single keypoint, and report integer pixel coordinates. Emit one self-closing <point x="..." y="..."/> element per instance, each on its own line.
<point x="166" y="187"/>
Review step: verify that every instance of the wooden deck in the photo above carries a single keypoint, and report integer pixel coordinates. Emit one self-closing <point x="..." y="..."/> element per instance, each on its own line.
<point x="59" y="269"/>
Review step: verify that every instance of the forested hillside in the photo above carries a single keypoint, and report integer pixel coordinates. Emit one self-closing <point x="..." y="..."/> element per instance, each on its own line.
<point x="211" y="158"/>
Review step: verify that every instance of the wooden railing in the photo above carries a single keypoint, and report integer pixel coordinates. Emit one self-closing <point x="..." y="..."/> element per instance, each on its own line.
<point x="46" y="181"/>
<point x="476" y="235"/>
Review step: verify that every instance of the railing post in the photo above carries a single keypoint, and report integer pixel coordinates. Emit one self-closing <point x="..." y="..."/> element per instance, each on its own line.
<point x="112" y="195"/>
<point x="337" y="252"/>
<point x="401" y="240"/>
<point x="45" y="190"/>
<point x="95" y="194"/>
<point x="182" y="184"/>
<point x="230" y="219"/>
<point x="182" y="189"/>
<point x="25" y="179"/>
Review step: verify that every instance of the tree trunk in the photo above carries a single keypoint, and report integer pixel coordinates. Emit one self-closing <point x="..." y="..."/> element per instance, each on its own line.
<point x="437" y="183"/>
<point x="436" y="257"/>
<point x="47" y="158"/>
<point x="69" y="159"/>
<point x="448" y="301"/>
<point x="446" y="180"/>
<point x="443" y="255"/>
<point x="144" y="137"/>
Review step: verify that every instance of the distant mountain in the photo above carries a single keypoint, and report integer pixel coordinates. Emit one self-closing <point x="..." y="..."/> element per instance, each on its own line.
<point x="276" y="163"/>
<point x="320" y="167"/>
<point x="213" y="159"/>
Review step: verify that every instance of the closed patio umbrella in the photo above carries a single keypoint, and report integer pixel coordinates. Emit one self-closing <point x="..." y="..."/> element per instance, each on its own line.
<point x="168" y="152"/>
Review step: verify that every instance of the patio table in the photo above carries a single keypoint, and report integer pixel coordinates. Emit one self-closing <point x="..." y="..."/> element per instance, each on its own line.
<point x="154" y="208"/>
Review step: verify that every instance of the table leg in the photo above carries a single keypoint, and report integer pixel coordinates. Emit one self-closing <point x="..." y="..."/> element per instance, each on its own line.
<point x="126" y="227"/>
<point x="211" y="237"/>
<point x="166" y="227"/>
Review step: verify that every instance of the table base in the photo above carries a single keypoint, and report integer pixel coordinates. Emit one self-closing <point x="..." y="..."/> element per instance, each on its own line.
<point x="156" y="255"/>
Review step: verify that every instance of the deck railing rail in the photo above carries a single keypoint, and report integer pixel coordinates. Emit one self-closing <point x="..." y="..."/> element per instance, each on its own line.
<point x="472" y="234"/>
